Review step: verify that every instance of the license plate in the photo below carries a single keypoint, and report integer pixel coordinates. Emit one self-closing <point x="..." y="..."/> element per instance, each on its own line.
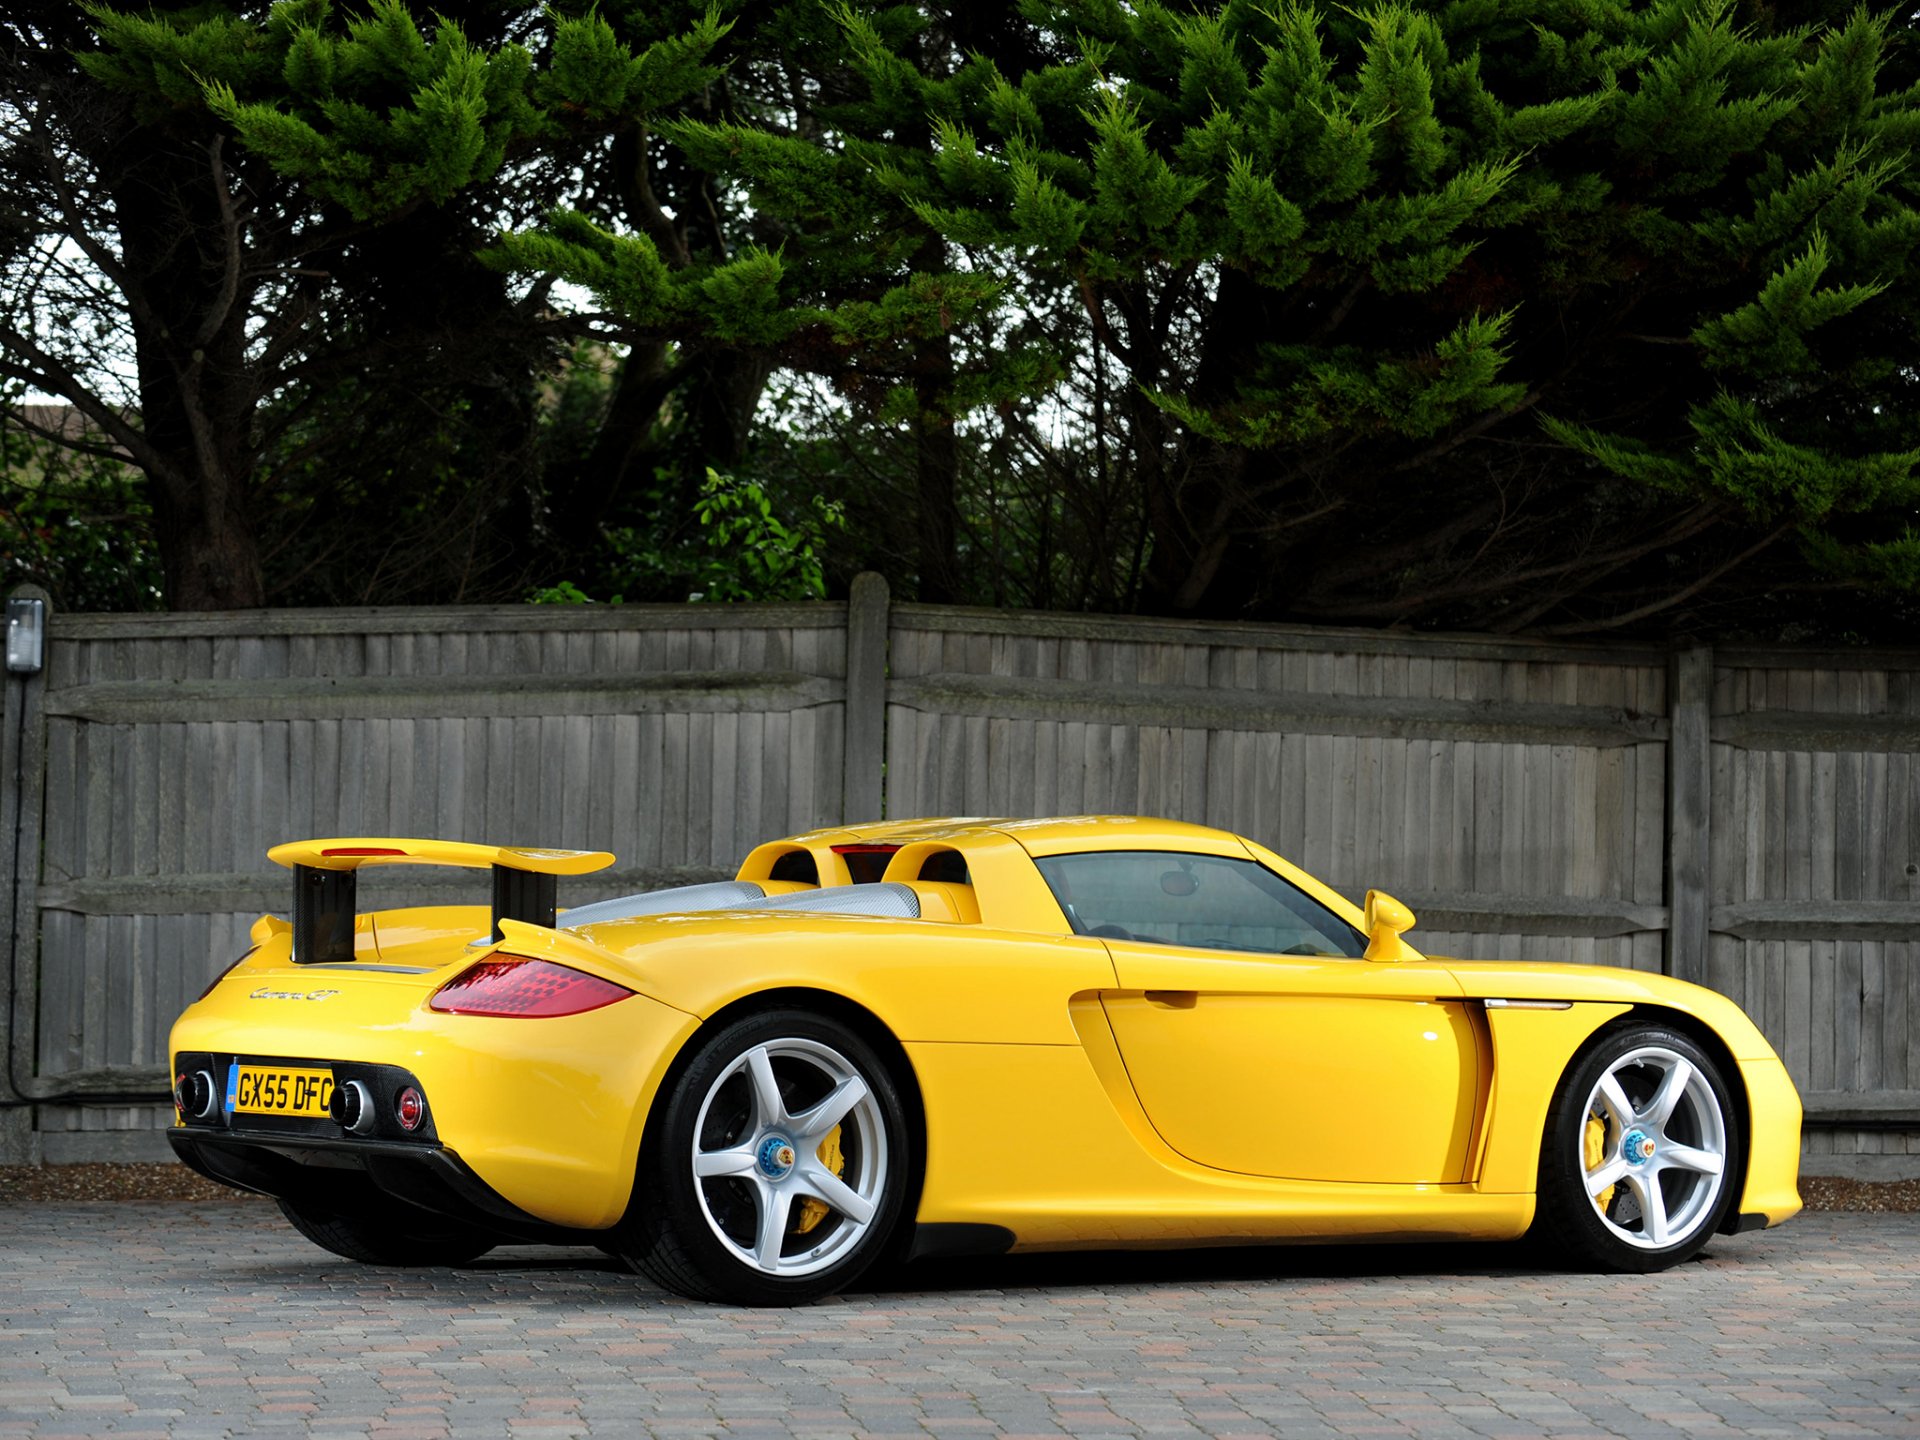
<point x="269" y="1090"/>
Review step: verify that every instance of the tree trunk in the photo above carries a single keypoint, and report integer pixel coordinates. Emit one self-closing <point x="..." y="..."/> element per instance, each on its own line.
<point x="936" y="464"/>
<point x="208" y="553"/>
<point x="721" y="390"/>
<point x="586" y="492"/>
<point x="1207" y="524"/>
<point x="182" y="248"/>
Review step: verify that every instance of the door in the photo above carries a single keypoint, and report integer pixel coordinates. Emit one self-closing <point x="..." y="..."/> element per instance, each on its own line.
<point x="1250" y="1056"/>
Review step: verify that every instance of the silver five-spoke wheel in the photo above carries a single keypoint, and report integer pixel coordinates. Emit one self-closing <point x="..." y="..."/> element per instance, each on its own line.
<point x="1654" y="1148"/>
<point x="777" y="1161"/>
<point x="790" y="1156"/>
<point x="1642" y="1156"/>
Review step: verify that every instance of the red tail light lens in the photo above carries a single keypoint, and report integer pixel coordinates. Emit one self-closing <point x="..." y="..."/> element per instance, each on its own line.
<point x="409" y="1108"/>
<point x="510" y="985"/>
<point x="866" y="863"/>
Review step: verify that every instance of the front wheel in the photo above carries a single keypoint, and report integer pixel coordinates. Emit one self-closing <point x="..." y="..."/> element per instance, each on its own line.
<point x="776" y="1169"/>
<point x="1639" y="1163"/>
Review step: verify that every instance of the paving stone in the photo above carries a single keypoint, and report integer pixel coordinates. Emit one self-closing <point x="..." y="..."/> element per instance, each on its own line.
<point x="203" y="1322"/>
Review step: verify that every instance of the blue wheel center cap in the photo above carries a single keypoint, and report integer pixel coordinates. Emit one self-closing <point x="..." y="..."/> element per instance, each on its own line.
<point x="1638" y="1147"/>
<point x="776" y="1157"/>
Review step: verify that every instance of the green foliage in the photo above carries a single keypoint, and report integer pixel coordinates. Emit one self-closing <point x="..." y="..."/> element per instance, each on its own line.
<point x="1769" y="334"/>
<point x="591" y="71"/>
<point x="167" y="60"/>
<point x="1774" y="174"/>
<point x="1890" y="566"/>
<point x="1544" y="305"/>
<point x="565" y="593"/>
<point x="78" y="525"/>
<point x="1305" y="394"/>
<point x="370" y="112"/>
<point x="625" y="272"/>
<point x="750" y="553"/>
<point x="1739" y="456"/>
<point x="1322" y="245"/>
<point x="740" y="549"/>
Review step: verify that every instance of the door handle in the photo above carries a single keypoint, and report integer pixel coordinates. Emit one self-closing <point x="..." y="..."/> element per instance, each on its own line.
<point x="1173" y="999"/>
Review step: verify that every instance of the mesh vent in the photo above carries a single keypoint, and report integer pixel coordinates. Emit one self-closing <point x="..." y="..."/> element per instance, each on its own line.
<point x="719" y="895"/>
<point x="889" y="899"/>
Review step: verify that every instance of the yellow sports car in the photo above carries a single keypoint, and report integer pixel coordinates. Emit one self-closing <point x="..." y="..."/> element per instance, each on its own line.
<point x="943" y="1037"/>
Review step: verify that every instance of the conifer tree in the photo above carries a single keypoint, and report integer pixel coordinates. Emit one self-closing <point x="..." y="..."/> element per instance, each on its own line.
<point x="855" y="286"/>
<point x="1492" y="314"/>
<point x="1344" y="254"/>
<point x="1487" y="313"/>
<point x="145" y="141"/>
<point x="280" y="212"/>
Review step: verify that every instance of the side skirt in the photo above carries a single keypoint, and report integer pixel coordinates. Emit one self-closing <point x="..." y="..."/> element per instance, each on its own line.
<point x="954" y="1239"/>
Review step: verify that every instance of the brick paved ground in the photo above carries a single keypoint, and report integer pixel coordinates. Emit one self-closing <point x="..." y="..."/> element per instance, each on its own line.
<point x="212" y="1320"/>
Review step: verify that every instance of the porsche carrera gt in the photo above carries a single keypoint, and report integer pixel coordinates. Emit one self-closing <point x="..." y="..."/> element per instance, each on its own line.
<point x="950" y="1037"/>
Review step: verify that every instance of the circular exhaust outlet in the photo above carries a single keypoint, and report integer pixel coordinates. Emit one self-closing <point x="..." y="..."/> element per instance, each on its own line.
<point x="194" y="1095"/>
<point x="352" y="1107"/>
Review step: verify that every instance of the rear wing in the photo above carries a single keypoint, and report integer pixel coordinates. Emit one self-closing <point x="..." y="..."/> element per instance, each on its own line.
<point x="326" y="883"/>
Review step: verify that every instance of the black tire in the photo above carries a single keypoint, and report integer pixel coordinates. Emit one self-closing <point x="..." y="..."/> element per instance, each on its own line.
<point x="1588" y="1142"/>
<point x="386" y="1240"/>
<point x="760" y="1235"/>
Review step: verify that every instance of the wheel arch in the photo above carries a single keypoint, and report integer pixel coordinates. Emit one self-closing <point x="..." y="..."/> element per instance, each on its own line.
<point x="1555" y="1216"/>
<point x="856" y="1016"/>
<point x="1709" y="1040"/>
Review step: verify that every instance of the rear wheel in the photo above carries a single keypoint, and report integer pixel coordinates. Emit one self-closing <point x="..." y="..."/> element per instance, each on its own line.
<point x="1639" y="1165"/>
<point x="776" y="1169"/>
<point x="385" y="1241"/>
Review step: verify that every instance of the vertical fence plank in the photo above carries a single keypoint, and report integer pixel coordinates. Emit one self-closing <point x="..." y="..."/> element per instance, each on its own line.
<point x="864" y="733"/>
<point x="1689" y="812"/>
<point x="23" y="776"/>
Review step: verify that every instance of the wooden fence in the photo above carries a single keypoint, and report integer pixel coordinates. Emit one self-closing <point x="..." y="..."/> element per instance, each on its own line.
<point x="1747" y="818"/>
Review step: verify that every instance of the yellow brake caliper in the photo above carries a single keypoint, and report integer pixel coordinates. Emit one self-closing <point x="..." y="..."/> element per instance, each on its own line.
<point x="1596" y="1151"/>
<point x="813" y="1211"/>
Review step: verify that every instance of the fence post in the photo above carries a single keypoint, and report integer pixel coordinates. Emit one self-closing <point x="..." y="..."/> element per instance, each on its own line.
<point x="1689" y="810"/>
<point x="863" y="769"/>
<point x="22" y="781"/>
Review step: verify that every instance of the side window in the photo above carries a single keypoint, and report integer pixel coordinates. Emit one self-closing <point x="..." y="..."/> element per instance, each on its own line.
<point x="1206" y="901"/>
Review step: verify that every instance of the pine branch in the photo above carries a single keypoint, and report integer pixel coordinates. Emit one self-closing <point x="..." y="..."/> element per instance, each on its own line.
<point x="1679" y="596"/>
<point x="222" y="304"/>
<point x="56" y="378"/>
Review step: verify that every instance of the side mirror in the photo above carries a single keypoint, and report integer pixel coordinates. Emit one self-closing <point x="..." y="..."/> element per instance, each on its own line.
<point x="1386" y="918"/>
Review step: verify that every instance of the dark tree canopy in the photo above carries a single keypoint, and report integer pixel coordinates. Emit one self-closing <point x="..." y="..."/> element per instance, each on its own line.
<point x="1571" y="318"/>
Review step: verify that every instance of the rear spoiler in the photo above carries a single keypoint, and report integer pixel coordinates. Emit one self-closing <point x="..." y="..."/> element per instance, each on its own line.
<point x="326" y="882"/>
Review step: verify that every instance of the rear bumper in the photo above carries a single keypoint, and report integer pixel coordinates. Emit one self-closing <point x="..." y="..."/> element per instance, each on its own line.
<point x="547" y="1114"/>
<point x="363" y="1176"/>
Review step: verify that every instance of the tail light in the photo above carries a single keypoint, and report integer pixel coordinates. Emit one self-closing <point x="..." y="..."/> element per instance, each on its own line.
<point x="866" y="863"/>
<point x="410" y="1108"/>
<point x="511" y="985"/>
